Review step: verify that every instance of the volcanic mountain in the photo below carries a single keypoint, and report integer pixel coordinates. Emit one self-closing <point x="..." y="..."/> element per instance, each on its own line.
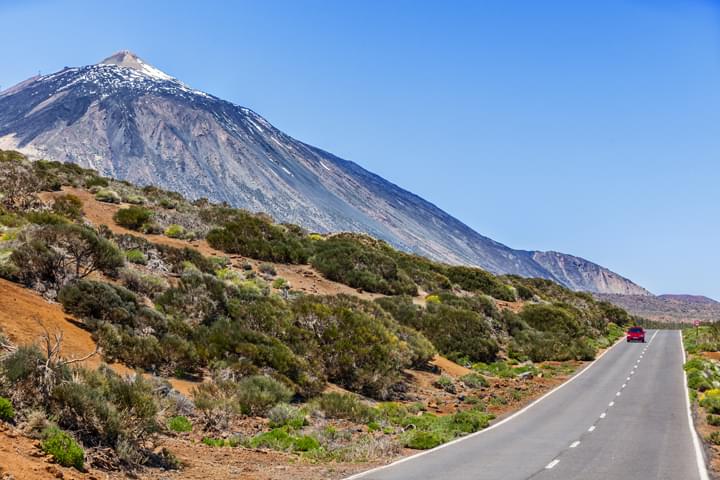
<point x="129" y="120"/>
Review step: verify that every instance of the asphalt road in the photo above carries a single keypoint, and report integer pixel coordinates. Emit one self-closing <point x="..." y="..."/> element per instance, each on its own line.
<point x="623" y="417"/>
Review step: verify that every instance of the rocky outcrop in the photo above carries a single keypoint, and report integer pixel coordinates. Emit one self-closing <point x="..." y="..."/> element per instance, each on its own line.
<point x="580" y="274"/>
<point x="127" y="119"/>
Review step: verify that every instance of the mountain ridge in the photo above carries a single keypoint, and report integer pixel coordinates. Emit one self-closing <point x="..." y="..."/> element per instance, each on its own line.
<point x="128" y="119"/>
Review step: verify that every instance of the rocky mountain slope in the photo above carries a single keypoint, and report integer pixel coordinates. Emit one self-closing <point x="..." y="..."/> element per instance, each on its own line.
<point x="668" y="308"/>
<point x="127" y="119"/>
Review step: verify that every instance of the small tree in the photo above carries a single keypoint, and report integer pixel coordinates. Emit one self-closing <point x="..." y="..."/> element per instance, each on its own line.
<point x="69" y="206"/>
<point x="133" y="217"/>
<point x="55" y="254"/>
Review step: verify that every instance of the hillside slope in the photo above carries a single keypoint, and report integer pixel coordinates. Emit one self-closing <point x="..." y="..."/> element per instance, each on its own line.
<point x="131" y="121"/>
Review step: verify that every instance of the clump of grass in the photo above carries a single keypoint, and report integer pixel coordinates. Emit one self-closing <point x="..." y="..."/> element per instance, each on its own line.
<point x="284" y="415"/>
<point x="175" y="231"/>
<point x="349" y="407"/>
<point x="107" y="196"/>
<point x="136" y="256"/>
<point x="66" y="451"/>
<point x="281" y="439"/>
<point x="446" y="383"/>
<point x="7" y="412"/>
<point x="179" y="424"/>
<point x="713" y="420"/>
<point x="474" y="380"/>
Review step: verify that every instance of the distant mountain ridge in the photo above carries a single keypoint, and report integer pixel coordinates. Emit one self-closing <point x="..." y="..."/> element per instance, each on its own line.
<point x="128" y="119"/>
<point x="668" y="308"/>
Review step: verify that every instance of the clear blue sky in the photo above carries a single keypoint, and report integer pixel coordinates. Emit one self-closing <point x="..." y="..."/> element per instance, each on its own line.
<point x="592" y="128"/>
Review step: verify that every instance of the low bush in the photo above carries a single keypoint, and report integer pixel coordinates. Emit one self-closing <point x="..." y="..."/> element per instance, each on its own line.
<point x="66" y="451"/>
<point x="257" y="394"/>
<point x="284" y="415"/>
<point x="713" y="420"/>
<point x="255" y="237"/>
<point x="107" y="196"/>
<point x="421" y="440"/>
<point x="136" y="256"/>
<point x="267" y="269"/>
<point x="281" y="439"/>
<point x="349" y="407"/>
<point x="175" y="231"/>
<point x="69" y="206"/>
<point x="179" y="424"/>
<point x="144" y="284"/>
<point x="7" y="412"/>
<point x="134" y="199"/>
<point x="445" y="383"/>
<point x="96" y="182"/>
<point x="474" y="380"/>
<point x="477" y="280"/>
<point x="714" y="438"/>
<point x="133" y="217"/>
<point x="46" y="218"/>
<point x="362" y="262"/>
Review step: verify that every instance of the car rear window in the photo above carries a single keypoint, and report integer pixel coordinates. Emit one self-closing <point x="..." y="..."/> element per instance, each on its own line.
<point x="636" y="330"/>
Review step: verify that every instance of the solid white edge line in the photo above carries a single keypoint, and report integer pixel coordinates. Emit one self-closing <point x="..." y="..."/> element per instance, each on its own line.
<point x="552" y="464"/>
<point x="699" y="455"/>
<point x="491" y="427"/>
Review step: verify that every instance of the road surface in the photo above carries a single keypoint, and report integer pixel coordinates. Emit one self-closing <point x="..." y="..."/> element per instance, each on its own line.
<point x="624" y="417"/>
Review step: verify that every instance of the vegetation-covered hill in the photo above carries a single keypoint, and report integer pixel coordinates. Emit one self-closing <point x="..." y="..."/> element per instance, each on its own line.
<point x="158" y="295"/>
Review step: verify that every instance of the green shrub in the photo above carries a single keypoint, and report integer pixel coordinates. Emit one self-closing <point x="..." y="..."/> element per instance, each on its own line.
<point x="474" y="380"/>
<point x="280" y="439"/>
<point x="107" y="196"/>
<point x="69" y="206"/>
<point x="349" y="407"/>
<point x="711" y="403"/>
<point x="96" y="182"/>
<point x="136" y="256"/>
<point x="362" y="262"/>
<point x="133" y="217"/>
<point x="66" y="451"/>
<point x="714" y="438"/>
<point x="134" y="199"/>
<point x="421" y="440"/>
<point x="144" y="284"/>
<point x="175" y="231"/>
<point x="255" y="237"/>
<point x="477" y="280"/>
<point x="55" y="254"/>
<point x="284" y="415"/>
<point x="179" y="424"/>
<point x="46" y="218"/>
<point x="267" y="269"/>
<point x="257" y="394"/>
<point x="713" y="420"/>
<point x="445" y="383"/>
<point x="7" y="412"/>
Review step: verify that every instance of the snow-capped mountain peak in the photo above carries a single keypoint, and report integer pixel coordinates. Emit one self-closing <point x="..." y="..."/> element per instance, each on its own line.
<point x="128" y="59"/>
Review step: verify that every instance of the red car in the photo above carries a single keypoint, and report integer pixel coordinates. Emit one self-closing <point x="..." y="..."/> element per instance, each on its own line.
<point x="636" y="334"/>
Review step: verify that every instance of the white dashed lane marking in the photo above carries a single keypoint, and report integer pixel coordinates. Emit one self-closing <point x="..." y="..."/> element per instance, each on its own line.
<point x="591" y="428"/>
<point x="575" y="444"/>
<point x="552" y="464"/>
